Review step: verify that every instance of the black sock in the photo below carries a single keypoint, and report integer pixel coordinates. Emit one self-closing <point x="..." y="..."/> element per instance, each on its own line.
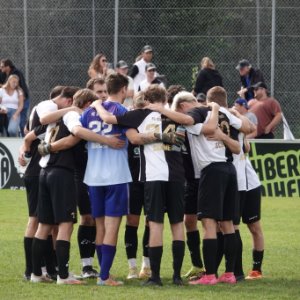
<point x="131" y="241"/>
<point x="92" y="233"/>
<point x="155" y="255"/>
<point x="38" y="253"/>
<point x="49" y="254"/>
<point x="209" y="255"/>
<point x="178" y="248"/>
<point x="146" y="241"/>
<point x="193" y="242"/>
<point x="28" y="255"/>
<point x="257" y="259"/>
<point x="238" y="270"/>
<point x="84" y="242"/>
<point x="220" y="251"/>
<point x="63" y="255"/>
<point x="229" y="251"/>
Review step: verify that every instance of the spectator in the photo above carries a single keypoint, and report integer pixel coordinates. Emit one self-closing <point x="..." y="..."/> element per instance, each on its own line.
<point x="267" y="111"/>
<point x="249" y="77"/>
<point x="208" y="77"/>
<point x="241" y="105"/>
<point x="138" y="71"/>
<point x="12" y="98"/>
<point x="99" y="67"/>
<point x="122" y="68"/>
<point x="7" y="67"/>
<point x="150" y="78"/>
<point x="98" y="86"/>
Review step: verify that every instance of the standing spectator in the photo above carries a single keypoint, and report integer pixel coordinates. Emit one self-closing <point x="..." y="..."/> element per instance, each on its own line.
<point x="138" y="71"/>
<point x="11" y="98"/>
<point x="150" y="78"/>
<point x="122" y="68"/>
<point x="267" y="111"/>
<point x="99" y="67"/>
<point x="208" y="77"/>
<point x="7" y="67"/>
<point x="249" y="77"/>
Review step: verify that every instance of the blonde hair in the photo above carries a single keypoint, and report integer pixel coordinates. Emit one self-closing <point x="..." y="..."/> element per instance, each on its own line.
<point x="7" y="84"/>
<point x="83" y="96"/>
<point x="182" y="97"/>
<point x="206" y="62"/>
<point x="139" y="100"/>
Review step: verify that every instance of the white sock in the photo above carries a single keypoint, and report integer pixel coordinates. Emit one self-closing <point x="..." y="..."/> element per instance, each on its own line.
<point x="91" y="261"/>
<point x="44" y="271"/>
<point x="85" y="262"/>
<point x="145" y="262"/>
<point x="132" y="263"/>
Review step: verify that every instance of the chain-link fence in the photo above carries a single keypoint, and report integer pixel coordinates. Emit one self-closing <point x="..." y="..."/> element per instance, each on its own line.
<point x="53" y="42"/>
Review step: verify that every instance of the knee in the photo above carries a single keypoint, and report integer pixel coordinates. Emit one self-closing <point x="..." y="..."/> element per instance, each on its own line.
<point x="133" y="220"/>
<point x="32" y="226"/>
<point x="190" y="223"/>
<point x="87" y="220"/>
<point x="255" y="229"/>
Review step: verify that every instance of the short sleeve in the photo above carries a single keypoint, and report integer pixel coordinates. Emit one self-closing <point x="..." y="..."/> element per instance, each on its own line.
<point x="71" y="120"/>
<point x="194" y="129"/>
<point x="40" y="131"/>
<point x="252" y="117"/>
<point x="198" y="114"/>
<point x="130" y="84"/>
<point x="233" y="120"/>
<point x="46" y="107"/>
<point x="133" y="119"/>
<point x="275" y="106"/>
<point x="84" y="118"/>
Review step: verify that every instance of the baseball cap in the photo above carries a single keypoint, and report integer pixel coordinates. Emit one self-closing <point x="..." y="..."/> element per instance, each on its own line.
<point x="201" y="97"/>
<point x="242" y="102"/>
<point x="122" y="64"/>
<point x="259" y="85"/>
<point x="147" y="48"/>
<point x="242" y="64"/>
<point x="150" y="66"/>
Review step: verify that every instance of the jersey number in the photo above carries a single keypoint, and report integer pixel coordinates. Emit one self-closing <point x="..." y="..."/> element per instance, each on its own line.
<point x="100" y="127"/>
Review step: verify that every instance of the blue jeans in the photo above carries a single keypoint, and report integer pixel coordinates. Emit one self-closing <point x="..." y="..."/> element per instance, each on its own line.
<point x="13" y="125"/>
<point x="23" y="116"/>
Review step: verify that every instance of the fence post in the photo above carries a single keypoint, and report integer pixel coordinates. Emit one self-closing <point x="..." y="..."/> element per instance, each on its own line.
<point x="116" y="32"/>
<point x="25" y="42"/>
<point x="93" y="28"/>
<point x="273" y="46"/>
<point x="258" y="33"/>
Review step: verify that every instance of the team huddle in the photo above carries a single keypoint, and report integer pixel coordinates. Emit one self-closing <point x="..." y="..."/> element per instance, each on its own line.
<point x="165" y="154"/>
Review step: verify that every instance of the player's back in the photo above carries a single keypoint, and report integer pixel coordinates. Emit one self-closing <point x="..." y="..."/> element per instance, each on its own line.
<point x="106" y="166"/>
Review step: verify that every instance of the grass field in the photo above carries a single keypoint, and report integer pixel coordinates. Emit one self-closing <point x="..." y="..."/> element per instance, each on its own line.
<point x="281" y="223"/>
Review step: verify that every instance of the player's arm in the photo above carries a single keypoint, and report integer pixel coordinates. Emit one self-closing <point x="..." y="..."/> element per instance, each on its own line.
<point x="247" y="146"/>
<point x="247" y="127"/>
<point x="137" y="138"/>
<point x="253" y="134"/>
<point x="211" y="126"/>
<point x="107" y="117"/>
<point x="52" y="117"/>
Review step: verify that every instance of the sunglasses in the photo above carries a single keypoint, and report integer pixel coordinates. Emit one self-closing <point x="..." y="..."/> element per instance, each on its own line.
<point x="104" y="60"/>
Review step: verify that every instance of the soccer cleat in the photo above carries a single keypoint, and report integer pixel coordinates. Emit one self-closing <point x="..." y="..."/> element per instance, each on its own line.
<point x="89" y="272"/>
<point x="240" y="278"/>
<point x="40" y="279"/>
<point x="153" y="282"/>
<point x="194" y="273"/>
<point x="205" y="280"/>
<point x="109" y="282"/>
<point x="26" y="277"/>
<point x="133" y="273"/>
<point x="145" y="273"/>
<point x="227" y="278"/>
<point x="70" y="280"/>
<point x="177" y="281"/>
<point x="254" y="275"/>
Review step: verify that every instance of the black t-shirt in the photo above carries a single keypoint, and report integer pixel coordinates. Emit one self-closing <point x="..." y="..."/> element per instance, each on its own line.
<point x="159" y="162"/>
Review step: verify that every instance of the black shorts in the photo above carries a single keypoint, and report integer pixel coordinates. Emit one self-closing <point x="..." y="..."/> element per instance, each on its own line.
<point x="252" y="206"/>
<point x="56" y="201"/>
<point x="217" y="197"/>
<point x="32" y="191"/>
<point x="239" y="208"/>
<point x="191" y="197"/>
<point x="164" y="196"/>
<point x="82" y="196"/>
<point x="136" y="198"/>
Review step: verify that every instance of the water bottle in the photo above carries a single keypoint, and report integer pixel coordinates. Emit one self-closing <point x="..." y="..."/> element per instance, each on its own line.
<point x="26" y="158"/>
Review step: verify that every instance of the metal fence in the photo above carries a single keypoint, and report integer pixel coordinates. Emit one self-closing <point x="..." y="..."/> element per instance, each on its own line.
<point x="54" y="41"/>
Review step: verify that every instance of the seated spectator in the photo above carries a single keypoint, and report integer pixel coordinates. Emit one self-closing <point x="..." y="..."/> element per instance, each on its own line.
<point x="249" y="77"/>
<point x="241" y="105"/>
<point x="150" y="77"/>
<point x="208" y="77"/>
<point x="267" y="111"/>
<point x="12" y="98"/>
<point x="99" y="67"/>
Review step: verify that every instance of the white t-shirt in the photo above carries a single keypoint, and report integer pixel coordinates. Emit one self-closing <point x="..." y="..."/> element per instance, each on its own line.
<point x="145" y="84"/>
<point x="9" y="101"/>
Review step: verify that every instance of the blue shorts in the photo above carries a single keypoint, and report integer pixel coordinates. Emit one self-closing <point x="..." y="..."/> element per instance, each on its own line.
<point x="110" y="200"/>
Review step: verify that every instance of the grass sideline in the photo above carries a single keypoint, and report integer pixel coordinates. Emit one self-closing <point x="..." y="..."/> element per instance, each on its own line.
<point x="281" y="266"/>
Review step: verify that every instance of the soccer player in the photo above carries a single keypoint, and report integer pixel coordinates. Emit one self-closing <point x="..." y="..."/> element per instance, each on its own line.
<point x="98" y="86"/>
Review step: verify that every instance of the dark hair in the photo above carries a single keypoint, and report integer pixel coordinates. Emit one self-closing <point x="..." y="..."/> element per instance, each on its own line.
<point x="115" y="82"/>
<point x="90" y="84"/>
<point x="84" y="96"/>
<point x="217" y="94"/>
<point x="172" y="91"/>
<point x="69" y="91"/>
<point x="56" y="91"/>
<point x="7" y="63"/>
<point x="155" y="93"/>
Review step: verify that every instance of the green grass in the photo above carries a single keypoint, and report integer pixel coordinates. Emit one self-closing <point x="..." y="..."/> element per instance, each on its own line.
<point x="281" y="265"/>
